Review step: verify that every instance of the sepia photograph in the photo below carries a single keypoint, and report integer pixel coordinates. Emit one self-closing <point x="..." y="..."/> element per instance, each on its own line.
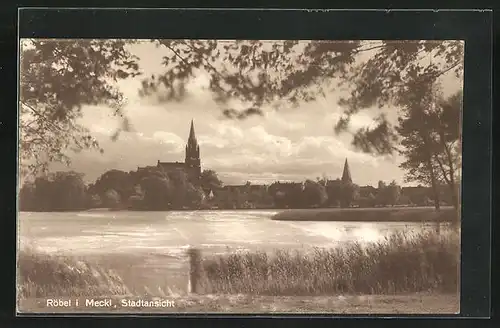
<point x="239" y="176"/>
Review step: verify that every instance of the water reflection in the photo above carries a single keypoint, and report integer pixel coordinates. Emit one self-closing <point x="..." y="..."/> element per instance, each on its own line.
<point x="170" y="233"/>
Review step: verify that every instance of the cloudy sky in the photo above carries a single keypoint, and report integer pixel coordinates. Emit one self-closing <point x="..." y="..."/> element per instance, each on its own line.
<point x="292" y="144"/>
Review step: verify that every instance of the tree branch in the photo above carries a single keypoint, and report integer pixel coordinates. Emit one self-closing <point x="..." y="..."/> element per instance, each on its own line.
<point x="443" y="170"/>
<point x="54" y="126"/>
<point x="41" y="116"/>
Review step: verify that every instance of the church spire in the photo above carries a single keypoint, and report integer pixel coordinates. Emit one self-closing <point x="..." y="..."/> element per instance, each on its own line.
<point x="193" y="161"/>
<point x="192" y="145"/>
<point x="346" y="175"/>
<point x="192" y="136"/>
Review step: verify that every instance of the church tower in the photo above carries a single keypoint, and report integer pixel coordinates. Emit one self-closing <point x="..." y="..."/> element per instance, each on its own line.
<point x="193" y="161"/>
<point x="346" y="175"/>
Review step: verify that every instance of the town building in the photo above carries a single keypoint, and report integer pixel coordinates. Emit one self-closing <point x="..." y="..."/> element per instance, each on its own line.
<point x="248" y="193"/>
<point x="192" y="162"/>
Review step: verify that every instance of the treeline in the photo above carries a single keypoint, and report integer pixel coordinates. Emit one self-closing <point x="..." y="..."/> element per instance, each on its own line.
<point x="145" y="189"/>
<point x="154" y="189"/>
<point x="335" y="193"/>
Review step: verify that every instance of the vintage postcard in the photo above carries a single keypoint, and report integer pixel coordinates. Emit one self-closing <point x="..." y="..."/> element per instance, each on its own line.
<point x="239" y="176"/>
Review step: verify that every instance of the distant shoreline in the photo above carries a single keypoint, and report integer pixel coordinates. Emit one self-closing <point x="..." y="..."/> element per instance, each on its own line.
<point x="281" y="209"/>
<point x="104" y="209"/>
<point x="384" y="214"/>
<point x="396" y="214"/>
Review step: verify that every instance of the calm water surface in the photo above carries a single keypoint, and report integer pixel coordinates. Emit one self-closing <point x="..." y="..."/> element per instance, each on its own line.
<point x="97" y="232"/>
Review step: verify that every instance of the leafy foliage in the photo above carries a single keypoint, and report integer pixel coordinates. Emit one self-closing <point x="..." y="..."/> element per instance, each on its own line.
<point x="157" y="191"/>
<point x="279" y="73"/>
<point x="287" y="194"/>
<point x="350" y="193"/>
<point x="56" y="192"/>
<point x="257" y="73"/>
<point x="117" y="180"/>
<point x="209" y="180"/>
<point x="58" y="77"/>
<point x="111" y="198"/>
<point x="169" y="190"/>
<point x="388" y="194"/>
<point x="395" y="74"/>
<point x="154" y="189"/>
<point x="430" y="132"/>
<point x="314" y="194"/>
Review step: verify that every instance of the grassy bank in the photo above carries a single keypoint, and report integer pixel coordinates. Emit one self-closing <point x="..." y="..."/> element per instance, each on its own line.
<point x="386" y="214"/>
<point x="400" y="264"/>
<point x="425" y="266"/>
<point x="42" y="275"/>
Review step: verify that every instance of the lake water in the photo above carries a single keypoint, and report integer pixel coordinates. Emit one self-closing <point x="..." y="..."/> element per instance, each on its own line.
<point x="148" y="249"/>
<point x="171" y="233"/>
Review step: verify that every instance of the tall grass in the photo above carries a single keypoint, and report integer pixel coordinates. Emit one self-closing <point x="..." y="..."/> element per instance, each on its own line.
<point x="400" y="264"/>
<point x="43" y="275"/>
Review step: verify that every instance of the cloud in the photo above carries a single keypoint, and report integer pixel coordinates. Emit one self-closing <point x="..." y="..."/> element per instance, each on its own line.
<point x="273" y="145"/>
<point x="99" y="129"/>
<point x="285" y="123"/>
<point x="290" y="145"/>
<point x="362" y="120"/>
<point x="236" y="151"/>
<point x="213" y="141"/>
<point x="284" y="144"/>
<point x="170" y="139"/>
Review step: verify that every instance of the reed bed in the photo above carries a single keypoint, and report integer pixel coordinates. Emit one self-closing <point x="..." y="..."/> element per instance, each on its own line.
<point x="402" y="263"/>
<point x="43" y="275"/>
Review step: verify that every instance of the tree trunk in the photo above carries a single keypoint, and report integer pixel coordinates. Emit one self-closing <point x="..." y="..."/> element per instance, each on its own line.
<point x="454" y="196"/>
<point x="428" y="154"/>
<point x="434" y="185"/>
<point x="435" y="190"/>
<point x="453" y="186"/>
<point x="451" y="171"/>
